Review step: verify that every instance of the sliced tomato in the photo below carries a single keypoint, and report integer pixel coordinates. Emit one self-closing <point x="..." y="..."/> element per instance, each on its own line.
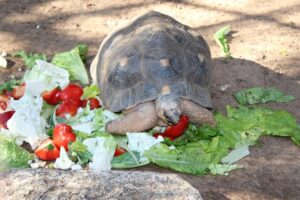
<point x="71" y="92"/>
<point x="47" y="151"/>
<point x="18" y="91"/>
<point x="4" y="117"/>
<point x="66" y="107"/>
<point x="63" y="135"/>
<point x="178" y="129"/>
<point x="119" y="151"/>
<point x="94" y="103"/>
<point x="52" y="97"/>
<point x="4" y="99"/>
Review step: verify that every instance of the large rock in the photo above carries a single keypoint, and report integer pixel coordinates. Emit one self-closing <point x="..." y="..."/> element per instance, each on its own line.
<point x="54" y="184"/>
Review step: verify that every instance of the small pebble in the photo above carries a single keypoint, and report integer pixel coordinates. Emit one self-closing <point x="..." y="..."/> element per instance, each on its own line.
<point x="224" y="87"/>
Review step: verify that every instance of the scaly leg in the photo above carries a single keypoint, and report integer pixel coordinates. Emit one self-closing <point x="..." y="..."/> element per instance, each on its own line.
<point x="142" y="118"/>
<point x="196" y="113"/>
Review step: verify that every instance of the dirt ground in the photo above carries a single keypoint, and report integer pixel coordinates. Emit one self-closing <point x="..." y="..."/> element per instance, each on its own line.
<point x="265" y="46"/>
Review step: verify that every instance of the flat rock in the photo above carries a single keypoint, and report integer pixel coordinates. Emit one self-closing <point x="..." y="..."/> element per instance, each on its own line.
<point x="55" y="184"/>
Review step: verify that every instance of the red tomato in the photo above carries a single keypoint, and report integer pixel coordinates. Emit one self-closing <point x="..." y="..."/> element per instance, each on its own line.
<point x="4" y="99"/>
<point x="119" y="151"/>
<point x="66" y="107"/>
<point x="47" y="151"/>
<point x="63" y="135"/>
<point x="163" y="135"/>
<point x="18" y="91"/>
<point x="52" y="97"/>
<point x="73" y="92"/>
<point x="4" y="117"/>
<point x="179" y="128"/>
<point x="94" y="103"/>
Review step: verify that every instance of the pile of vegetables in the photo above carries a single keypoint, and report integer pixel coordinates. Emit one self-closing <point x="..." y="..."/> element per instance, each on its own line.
<point x="52" y="116"/>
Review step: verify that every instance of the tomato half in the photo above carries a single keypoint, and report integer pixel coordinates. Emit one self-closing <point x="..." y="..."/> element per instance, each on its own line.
<point x="63" y="135"/>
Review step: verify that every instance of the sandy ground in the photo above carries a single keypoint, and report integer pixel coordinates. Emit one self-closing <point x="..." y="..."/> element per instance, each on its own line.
<point x="265" y="46"/>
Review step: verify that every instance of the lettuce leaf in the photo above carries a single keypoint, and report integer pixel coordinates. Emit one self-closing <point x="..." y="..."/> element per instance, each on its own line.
<point x="194" y="158"/>
<point x="221" y="38"/>
<point x="30" y="58"/>
<point x="261" y="95"/>
<point x="201" y="149"/>
<point x="128" y="160"/>
<point x="27" y="124"/>
<point x="102" y="149"/>
<point x="72" y="61"/>
<point x="12" y="155"/>
<point x="45" y="76"/>
<point x="222" y="169"/>
<point x="90" y="92"/>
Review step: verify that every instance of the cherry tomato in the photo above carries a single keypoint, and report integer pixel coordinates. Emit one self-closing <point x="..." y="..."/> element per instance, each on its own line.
<point x="47" y="151"/>
<point x="18" y="91"/>
<point x="94" y="103"/>
<point x="72" y="92"/>
<point x="119" y="151"/>
<point x="4" y="117"/>
<point x="63" y="135"/>
<point x="52" y="97"/>
<point x="66" y="107"/>
<point x="4" y="99"/>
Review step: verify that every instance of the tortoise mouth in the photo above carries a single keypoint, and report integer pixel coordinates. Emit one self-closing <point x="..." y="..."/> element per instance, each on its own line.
<point x="172" y="116"/>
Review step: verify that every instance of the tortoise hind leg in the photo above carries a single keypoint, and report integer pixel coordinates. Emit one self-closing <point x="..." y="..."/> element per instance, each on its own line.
<point x="196" y="113"/>
<point x="141" y="118"/>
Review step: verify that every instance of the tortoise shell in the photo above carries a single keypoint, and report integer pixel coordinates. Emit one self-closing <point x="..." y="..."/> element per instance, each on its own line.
<point x="153" y="52"/>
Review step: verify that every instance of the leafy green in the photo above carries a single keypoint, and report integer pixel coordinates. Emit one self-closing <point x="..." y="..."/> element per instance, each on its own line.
<point x="193" y="158"/>
<point x="222" y="169"/>
<point x="9" y="85"/>
<point x="261" y="95"/>
<point x="90" y="92"/>
<point x="103" y="149"/>
<point x="72" y="61"/>
<point x="236" y="154"/>
<point x="221" y="38"/>
<point x="44" y="77"/>
<point x="128" y="160"/>
<point x="12" y="155"/>
<point x="80" y="152"/>
<point x="30" y="58"/>
<point x="200" y="149"/>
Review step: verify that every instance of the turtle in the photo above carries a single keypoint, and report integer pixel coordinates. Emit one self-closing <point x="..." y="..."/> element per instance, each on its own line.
<point x="153" y="70"/>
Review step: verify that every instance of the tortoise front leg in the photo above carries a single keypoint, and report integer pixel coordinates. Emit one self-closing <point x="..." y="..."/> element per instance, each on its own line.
<point x="142" y="118"/>
<point x="196" y="113"/>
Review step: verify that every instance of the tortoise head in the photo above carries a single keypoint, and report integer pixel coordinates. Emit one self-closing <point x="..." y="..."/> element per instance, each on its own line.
<point x="168" y="108"/>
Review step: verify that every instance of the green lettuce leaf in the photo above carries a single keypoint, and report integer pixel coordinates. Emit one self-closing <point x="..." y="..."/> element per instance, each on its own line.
<point x="201" y="149"/>
<point x="193" y="158"/>
<point x="72" y="61"/>
<point x="80" y="152"/>
<point x="261" y="95"/>
<point x="30" y="58"/>
<point x="128" y="160"/>
<point x="12" y="155"/>
<point x="222" y="169"/>
<point x="90" y="92"/>
<point x="221" y="38"/>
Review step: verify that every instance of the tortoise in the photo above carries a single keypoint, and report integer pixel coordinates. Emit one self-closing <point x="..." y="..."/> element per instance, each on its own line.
<point x="154" y="70"/>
